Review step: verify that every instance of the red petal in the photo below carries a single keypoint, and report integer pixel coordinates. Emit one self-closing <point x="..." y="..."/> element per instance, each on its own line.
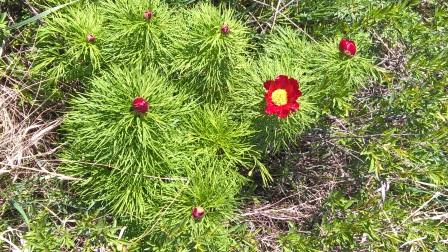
<point x="294" y="106"/>
<point x="281" y="81"/>
<point x="293" y="87"/>
<point x="268" y="97"/>
<point x="270" y="109"/>
<point x="351" y="48"/>
<point x="268" y="84"/>
<point x="283" y="114"/>
<point x="343" y="44"/>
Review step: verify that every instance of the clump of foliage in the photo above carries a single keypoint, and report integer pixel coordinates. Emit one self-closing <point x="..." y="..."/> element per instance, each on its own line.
<point x="211" y="47"/>
<point x="324" y="74"/>
<point x="70" y="44"/>
<point x="331" y="71"/>
<point x="113" y="147"/>
<point x="53" y="220"/>
<point x="343" y="74"/>
<point x="139" y="31"/>
<point x="135" y="139"/>
<point x="177" y="227"/>
<point x="212" y="133"/>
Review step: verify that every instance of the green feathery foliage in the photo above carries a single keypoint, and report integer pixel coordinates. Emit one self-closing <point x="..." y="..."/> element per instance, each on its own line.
<point x="287" y="42"/>
<point x="66" y="50"/>
<point x="213" y="187"/>
<point x="116" y="151"/>
<point x="211" y="133"/>
<point x="337" y="73"/>
<point x="183" y="3"/>
<point x="208" y="54"/>
<point x="134" y="38"/>
<point x="248" y="99"/>
<point x="335" y="76"/>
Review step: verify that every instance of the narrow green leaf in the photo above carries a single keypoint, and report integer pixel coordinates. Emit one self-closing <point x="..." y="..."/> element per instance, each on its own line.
<point x="19" y="208"/>
<point x="40" y="15"/>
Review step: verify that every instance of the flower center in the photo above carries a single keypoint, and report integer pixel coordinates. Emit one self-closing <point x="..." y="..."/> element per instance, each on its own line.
<point x="280" y="97"/>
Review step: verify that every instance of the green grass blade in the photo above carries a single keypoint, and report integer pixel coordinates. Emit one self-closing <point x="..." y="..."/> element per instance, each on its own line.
<point x="40" y="15"/>
<point x="19" y="208"/>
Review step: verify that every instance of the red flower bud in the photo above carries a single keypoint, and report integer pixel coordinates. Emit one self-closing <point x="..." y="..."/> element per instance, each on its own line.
<point x="225" y="29"/>
<point x="91" y="38"/>
<point x="140" y="105"/>
<point x="347" y="47"/>
<point x="147" y="14"/>
<point x="198" y="212"/>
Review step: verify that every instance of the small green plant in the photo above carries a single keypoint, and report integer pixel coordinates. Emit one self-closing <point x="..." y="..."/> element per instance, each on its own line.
<point x="4" y="30"/>
<point x="45" y="234"/>
<point x="197" y="213"/>
<point x="120" y="135"/>
<point x="139" y="32"/>
<point x="211" y="47"/>
<point x="70" y="44"/>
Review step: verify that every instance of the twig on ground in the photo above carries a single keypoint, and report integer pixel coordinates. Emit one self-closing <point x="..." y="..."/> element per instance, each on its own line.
<point x="417" y="211"/>
<point x="412" y="241"/>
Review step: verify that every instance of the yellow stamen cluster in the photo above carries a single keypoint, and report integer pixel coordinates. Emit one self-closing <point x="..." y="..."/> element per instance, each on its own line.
<point x="280" y="97"/>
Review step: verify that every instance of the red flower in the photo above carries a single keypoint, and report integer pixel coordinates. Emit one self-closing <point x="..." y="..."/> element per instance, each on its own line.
<point x="198" y="212"/>
<point x="281" y="97"/>
<point x="140" y="105"/>
<point x="347" y="46"/>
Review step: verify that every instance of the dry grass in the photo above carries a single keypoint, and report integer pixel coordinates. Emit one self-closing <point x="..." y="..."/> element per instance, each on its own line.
<point x="27" y="126"/>
<point x="26" y="137"/>
<point x="28" y="140"/>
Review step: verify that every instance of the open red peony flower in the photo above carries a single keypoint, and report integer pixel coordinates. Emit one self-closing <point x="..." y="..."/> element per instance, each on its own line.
<point x="281" y="97"/>
<point x="198" y="212"/>
<point x="347" y="46"/>
<point x="140" y="105"/>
